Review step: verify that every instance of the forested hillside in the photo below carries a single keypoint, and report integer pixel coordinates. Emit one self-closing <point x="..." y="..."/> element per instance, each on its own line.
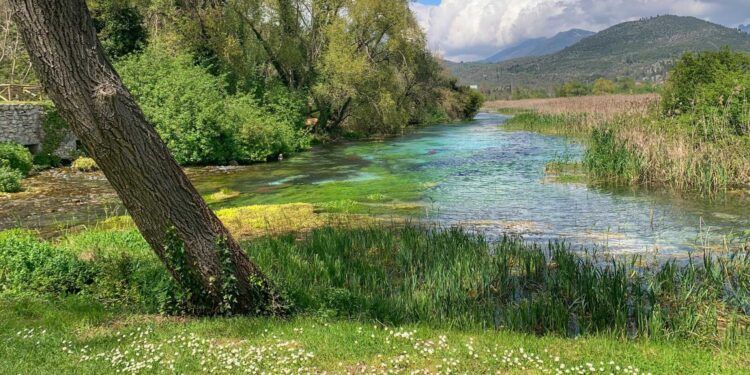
<point x="540" y="46"/>
<point x="642" y="50"/>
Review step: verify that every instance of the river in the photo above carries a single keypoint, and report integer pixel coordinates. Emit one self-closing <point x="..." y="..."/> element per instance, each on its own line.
<point x="478" y="175"/>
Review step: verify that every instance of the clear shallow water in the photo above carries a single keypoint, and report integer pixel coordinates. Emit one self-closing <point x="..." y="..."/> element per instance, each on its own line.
<point x="478" y="175"/>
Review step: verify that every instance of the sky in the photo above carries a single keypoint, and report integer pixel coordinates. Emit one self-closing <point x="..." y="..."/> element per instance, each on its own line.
<point x="468" y="30"/>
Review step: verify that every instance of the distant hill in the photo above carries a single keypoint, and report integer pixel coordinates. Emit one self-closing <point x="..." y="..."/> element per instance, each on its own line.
<point x="540" y="46"/>
<point x="644" y="50"/>
<point x="745" y="28"/>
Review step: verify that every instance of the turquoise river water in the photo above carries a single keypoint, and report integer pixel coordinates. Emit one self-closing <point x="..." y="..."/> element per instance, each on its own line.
<point x="477" y="175"/>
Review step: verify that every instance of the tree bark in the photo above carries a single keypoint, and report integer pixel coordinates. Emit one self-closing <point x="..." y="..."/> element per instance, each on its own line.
<point x="186" y="235"/>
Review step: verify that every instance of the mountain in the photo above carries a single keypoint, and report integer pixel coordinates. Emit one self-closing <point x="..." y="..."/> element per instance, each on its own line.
<point x="745" y="28"/>
<point x="644" y="50"/>
<point x="540" y="46"/>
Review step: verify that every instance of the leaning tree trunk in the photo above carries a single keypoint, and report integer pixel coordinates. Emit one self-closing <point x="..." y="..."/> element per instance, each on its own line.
<point x="186" y="235"/>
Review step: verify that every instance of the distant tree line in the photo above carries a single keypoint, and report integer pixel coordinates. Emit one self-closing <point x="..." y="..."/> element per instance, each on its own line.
<point x="601" y="86"/>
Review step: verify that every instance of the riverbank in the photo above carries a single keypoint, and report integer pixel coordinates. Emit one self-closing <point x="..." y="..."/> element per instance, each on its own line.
<point x="74" y="336"/>
<point x="374" y="298"/>
<point x="629" y="142"/>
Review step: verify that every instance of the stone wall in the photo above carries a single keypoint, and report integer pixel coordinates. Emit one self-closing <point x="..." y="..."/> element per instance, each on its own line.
<point x="23" y="123"/>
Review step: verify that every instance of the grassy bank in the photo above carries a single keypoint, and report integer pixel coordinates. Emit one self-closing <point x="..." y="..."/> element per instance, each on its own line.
<point x="74" y="335"/>
<point x="83" y="289"/>
<point x="634" y="145"/>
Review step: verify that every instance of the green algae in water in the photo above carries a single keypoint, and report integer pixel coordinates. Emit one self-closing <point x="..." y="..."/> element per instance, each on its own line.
<point x="472" y="173"/>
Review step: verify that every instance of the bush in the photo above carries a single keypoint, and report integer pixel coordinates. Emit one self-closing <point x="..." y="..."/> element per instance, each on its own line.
<point x="261" y="135"/>
<point x="16" y="157"/>
<point x="711" y="84"/>
<point x="29" y="265"/>
<point x="10" y="180"/>
<point x="83" y="164"/>
<point x="115" y="268"/>
<point x="573" y="88"/>
<point x="603" y="86"/>
<point x="200" y="122"/>
<point x="473" y="103"/>
<point x="184" y="102"/>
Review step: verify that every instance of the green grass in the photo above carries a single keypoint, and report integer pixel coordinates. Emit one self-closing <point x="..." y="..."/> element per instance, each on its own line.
<point x="83" y="289"/>
<point x="74" y="335"/>
<point x="610" y="159"/>
<point x="574" y="125"/>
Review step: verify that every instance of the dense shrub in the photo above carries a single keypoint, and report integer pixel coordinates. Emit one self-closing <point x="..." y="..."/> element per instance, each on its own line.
<point x="29" y="265"/>
<point x="714" y="85"/>
<point x="83" y="164"/>
<point x="16" y="157"/>
<point x="183" y="101"/>
<point x="604" y="86"/>
<point x="200" y="122"/>
<point x="473" y="101"/>
<point x="573" y="88"/>
<point x="10" y="179"/>
<point x="116" y="268"/>
<point x="260" y="134"/>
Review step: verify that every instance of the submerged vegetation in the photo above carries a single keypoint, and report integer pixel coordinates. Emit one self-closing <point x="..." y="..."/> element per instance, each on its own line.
<point x="697" y="140"/>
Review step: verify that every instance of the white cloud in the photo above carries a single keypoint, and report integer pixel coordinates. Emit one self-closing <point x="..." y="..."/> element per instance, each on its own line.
<point x="473" y="29"/>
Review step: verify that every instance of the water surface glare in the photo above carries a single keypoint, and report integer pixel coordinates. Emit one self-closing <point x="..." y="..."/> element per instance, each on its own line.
<point x="477" y="174"/>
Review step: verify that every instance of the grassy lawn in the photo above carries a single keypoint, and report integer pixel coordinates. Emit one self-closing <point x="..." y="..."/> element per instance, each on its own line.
<point x="78" y="336"/>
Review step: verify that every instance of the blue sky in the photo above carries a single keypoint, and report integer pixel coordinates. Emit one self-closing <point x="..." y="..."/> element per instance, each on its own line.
<point x="466" y="30"/>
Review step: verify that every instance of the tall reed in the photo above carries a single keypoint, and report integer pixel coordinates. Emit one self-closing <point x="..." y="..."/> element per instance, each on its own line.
<point x="631" y="142"/>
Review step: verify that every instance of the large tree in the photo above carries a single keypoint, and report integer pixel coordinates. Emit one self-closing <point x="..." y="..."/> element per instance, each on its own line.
<point x="191" y="241"/>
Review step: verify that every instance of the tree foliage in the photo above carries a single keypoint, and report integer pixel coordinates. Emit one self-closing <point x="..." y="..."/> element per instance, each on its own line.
<point x="200" y="122"/>
<point x="711" y="84"/>
<point x="604" y="86"/>
<point x="363" y="64"/>
<point x="120" y="27"/>
<point x="213" y="74"/>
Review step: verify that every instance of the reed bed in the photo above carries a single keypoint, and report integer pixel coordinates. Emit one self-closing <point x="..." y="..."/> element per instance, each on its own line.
<point x="604" y="106"/>
<point x="631" y="142"/>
